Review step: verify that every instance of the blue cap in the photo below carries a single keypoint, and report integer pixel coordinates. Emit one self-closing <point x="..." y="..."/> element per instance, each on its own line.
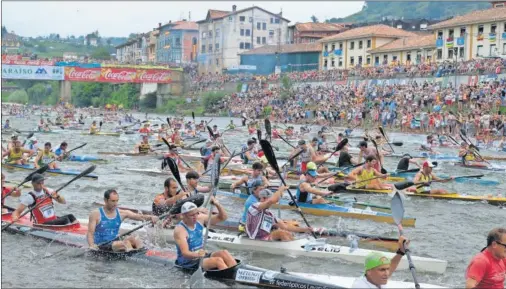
<point x="312" y="173"/>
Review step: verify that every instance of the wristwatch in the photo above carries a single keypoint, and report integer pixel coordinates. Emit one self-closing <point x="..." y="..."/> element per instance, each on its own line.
<point x="399" y="252"/>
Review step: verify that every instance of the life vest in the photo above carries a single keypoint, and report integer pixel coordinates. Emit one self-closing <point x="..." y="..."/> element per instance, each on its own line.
<point x="144" y="148"/>
<point x="5" y="191"/>
<point x="44" y="211"/>
<point x="93" y="129"/>
<point x="365" y="175"/>
<point x="158" y="209"/>
<point x="144" y="130"/>
<point x="14" y="156"/>
<point x="424" y="189"/>
<point x="303" y="197"/>
<point x="259" y="223"/>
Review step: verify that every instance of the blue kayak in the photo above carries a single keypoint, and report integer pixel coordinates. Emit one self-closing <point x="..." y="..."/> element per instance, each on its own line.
<point x="85" y="158"/>
<point x="57" y="171"/>
<point x="483" y="182"/>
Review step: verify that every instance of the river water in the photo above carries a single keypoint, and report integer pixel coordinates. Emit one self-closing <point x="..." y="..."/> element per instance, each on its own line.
<point x="450" y="230"/>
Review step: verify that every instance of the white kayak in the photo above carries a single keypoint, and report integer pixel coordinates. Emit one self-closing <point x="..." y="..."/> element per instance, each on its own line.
<point x="304" y="247"/>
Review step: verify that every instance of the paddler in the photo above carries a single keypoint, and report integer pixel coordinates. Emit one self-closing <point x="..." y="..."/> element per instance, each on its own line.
<point x="367" y="172"/>
<point x="469" y="157"/>
<point x="15" y="154"/>
<point x="172" y="153"/>
<point x="42" y="199"/>
<point x="231" y="125"/>
<point x="163" y="202"/>
<point x="216" y="132"/>
<point x="345" y="159"/>
<point x="12" y="142"/>
<point x="104" y="224"/>
<point x="424" y="177"/>
<point x="162" y="132"/>
<point x="261" y="224"/>
<point x="404" y="162"/>
<point x="192" y="183"/>
<point x="32" y="144"/>
<point x="61" y="151"/>
<point x="378" y="268"/>
<point x="249" y="154"/>
<point x="256" y="174"/>
<point x="143" y="147"/>
<point x="45" y="157"/>
<point x="93" y="127"/>
<point x="188" y="236"/>
<point x="305" y="189"/>
<point x="145" y="128"/>
<point x="488" y="268"/>
<point x="7" y="124"/>
<point x="367" y="151"/>
<point x="6" y="191"/>
<point x="176" y="138"/>
<point x="251" y="128"/>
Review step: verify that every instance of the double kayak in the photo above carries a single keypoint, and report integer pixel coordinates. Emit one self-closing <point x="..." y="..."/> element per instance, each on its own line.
<point x="333" y="210"/>
<point x="84" y="158"/>
<point x="102" y="133"/>
<point x="75" y="235"/>
<point x="54" y="172"/>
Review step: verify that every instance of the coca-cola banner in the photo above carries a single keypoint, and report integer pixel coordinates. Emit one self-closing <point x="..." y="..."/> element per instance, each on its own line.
<point x="118" y="75"/>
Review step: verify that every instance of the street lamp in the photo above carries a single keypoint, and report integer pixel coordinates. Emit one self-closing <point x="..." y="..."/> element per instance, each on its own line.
<point x="455" y="50"/>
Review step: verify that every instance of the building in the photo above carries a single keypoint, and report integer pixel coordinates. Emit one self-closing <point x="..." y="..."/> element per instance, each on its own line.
<point x="10" y="41"/>
<point x="70" y="56"/>
<point x="311" y="32"/>
<point x="224" y="35"/>
<point x="406" y="50"/>
<point x="134" y="51"/>
<point x="405" y="24"/>
<point x="177" y="42"/>
<point x="351" y="48"/>
<point x="480" y="33"/>
<point x="152" y="46"/>
<point x="91" y="39"/>
<point x="269" y="59"/>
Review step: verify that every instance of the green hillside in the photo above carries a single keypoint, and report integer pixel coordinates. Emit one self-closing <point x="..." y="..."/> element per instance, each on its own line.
<point x="375" y="11"/>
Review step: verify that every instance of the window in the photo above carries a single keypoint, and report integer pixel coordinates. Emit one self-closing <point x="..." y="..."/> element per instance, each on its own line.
<point x="493" y="28"/>
<point x="352" y="45"/>
<point x="352" y="60"/>
<point x="241" y="45"/>
<point x="340" y="45"/>
<point x="450" y="33"/>
<point x="340" y="62"/>
<point x="450" y="53"/>
<point x="461" y="52"/>
<point x="217" y="32"/>
<point x="203" y="50"/>
<point x="325" y="62"/>
<point x="504" y="48"/>
<point x="217" y="47"/>
<point x="394" y="58"/>
<point x="439" y="53"/>
<point x="242" y="18"/>
<point x="271" y="33"/>
<point x="333" y="47"/>
<point x="178" y="41"/>
<point x="264" y="26"/>
<point x="480" y="50"/>
<point x="368" y="60"/>
<point x="264" y="40"/>
<point x="440" y="34"/>
<point x="360" y="60"/>
<point x="230" y="18"/>
<point x="210" y="48"/>
<point x="251" y="20"/>
<point x="423" y="26"/>
<point x="376" y="60"/>
<point x="203" y="35"/>
<point x="248" y="32"/>
<point x="258" y="40"/>
<point x="399" y="26"/>
<point x="360" y="44"/>
<point x="217" y="62"/>
<point x="242" y="32"/>
<point x="259" y="25"/>
<point x="480" y="29"/>
<point x="462" y="31"/>
<point x="369" y="43"/>
<point x="276" y="20"/>
<point x="385" y="59"/>
<point x="272" y="20"/>
<point x="247" y="45"/>
<point x="504" y="28"/>
<point x="326" y="48"/>
<point x="492" y="50"/>
<point x="210" y="34"/>
<point x="408" y="57"/>
<point x="332" y="63"/>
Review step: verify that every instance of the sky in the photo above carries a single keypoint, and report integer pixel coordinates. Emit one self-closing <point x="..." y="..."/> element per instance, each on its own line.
<point x="31" y="19"/>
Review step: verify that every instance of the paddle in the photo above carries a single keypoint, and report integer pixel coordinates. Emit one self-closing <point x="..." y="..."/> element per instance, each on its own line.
<point x="271" y="157"/>
<point x="286" y="141"/>
<point x="397" y="207"/>
<point x="100" y="124"/>
<point x="454" y="140"/>
<point x="383" y="171"/>
<point x="268" y="128"/>
<point x="200" y="141"/>
<point x="174" y="170"/>
<point x="28" y="178"/>
<point x="228" y="161"/>
<point x="407" y="184"/>
<point x="168" y="121"/>
<point x="211" y="133"/>
<point x="386" y="139"/>
<point x="339" y="171"/>
<point x="198" y="276"/>
<point x="82" y="174"/>
<point x="344" y="186"/>
<point x="167" y="143"/>
<point x="65" y="155"/>
<point x="193" y="116"/>
<point x="293" y="157"/>
<point x="259" y="134"/>
<point x="397" y="143"/>
<point x="27" y="137"/>
<point x="211" y="120"/>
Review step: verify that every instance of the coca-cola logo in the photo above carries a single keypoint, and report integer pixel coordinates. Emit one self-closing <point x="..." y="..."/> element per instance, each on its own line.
<point x="158" y="76"/>
<point x="83" y="74"/>
<point x="122" y="75"/>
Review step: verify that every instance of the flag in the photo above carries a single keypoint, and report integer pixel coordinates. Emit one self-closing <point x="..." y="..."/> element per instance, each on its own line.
<point x="491" y="37"/>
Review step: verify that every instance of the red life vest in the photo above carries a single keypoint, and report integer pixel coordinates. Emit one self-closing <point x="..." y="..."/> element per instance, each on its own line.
<point x="44" y="211"/>
<point x="5" y="191"/>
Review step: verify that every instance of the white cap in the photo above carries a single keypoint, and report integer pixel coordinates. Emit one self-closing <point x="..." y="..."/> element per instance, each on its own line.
<point x="187" y="207"/>
<point x="33" y="139"/>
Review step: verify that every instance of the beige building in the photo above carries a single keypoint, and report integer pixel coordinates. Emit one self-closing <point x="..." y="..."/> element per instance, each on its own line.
<point x="480" y="33"/>
<point x="406" y="50"/>
<point x="153" y="37"/>
<point x="351" y="48"/>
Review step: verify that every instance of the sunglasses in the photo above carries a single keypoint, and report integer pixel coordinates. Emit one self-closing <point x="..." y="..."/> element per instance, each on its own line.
<point x="504" y="245"/>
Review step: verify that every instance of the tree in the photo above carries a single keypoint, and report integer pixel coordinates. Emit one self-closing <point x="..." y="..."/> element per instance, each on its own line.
<point x="4" y="30"/>
<point x="101" y="53"/>
<point x="19" y="96"/>
<point x="108" y="41"/>
<point x="58" y="36"/>
<point x="42" y="48"/>
<point x="37" y="94"/>
<point x="314" y="19"/>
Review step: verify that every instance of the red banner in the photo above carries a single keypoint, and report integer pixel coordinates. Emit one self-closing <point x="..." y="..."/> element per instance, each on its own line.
<point x="118" y="75"/>
<point x="37" y="62"/>
<point x="9" y="57"/>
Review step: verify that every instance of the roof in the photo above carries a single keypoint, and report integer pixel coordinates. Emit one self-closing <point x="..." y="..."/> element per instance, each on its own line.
<point x="287" y="48"/>
<point x="313" y="35"/>
<point x="367" y="31"/>
<point x="310" y="26"/>
<point x="186" y="25"/>
<point x="219" y="14"/>
<point x="479" y="16"/>
<point x="407" y="43"/>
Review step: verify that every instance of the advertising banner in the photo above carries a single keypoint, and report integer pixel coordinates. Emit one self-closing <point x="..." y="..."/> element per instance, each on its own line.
<point x="27" y="62"/>
<point x="40" y="72"/>
<point x="118" y="75"/>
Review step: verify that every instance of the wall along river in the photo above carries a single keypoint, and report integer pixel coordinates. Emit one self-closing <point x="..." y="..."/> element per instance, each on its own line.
<point x="451" y="230"/>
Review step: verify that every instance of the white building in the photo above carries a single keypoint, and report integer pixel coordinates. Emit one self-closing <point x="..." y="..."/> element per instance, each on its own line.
<point x="223" y="35"/>
<point x="134" y="51"/>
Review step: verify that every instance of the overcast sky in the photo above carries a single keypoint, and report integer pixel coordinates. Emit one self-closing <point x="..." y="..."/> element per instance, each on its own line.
<point x="122" y="18"/>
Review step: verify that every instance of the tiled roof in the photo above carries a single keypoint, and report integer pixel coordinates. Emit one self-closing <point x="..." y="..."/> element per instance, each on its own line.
<point x="367" y="31"/>
<point x="287" y="48"/>
<point x="313" y="35"/>
<point x="479" y="16"/>
<point x="185" y="25"/>
<point x="310" y="26"/>
<point x="407" y="43"/>
<point x="218" y="13"/>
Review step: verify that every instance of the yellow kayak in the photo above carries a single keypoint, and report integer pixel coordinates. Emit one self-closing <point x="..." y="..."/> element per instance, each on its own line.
<point x="102" y="133"/>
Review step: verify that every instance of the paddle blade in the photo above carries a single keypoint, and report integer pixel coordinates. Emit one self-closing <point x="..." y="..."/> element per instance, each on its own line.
<point x="173" y="169"/>
<point x="397" y="206"/>
<point x="268" y="127"/>
<point x="397" y="143"/>
<point x="463" y="131"/>
<point x="197" y="279"/>
<point x="341" y="144"/>
<point x="40" y="170"/>
<point x="193" y="116"/>
<point x="403" y="185"/>
<point x="166" y="142"/>
<point x="211" y="134"/>
<point x="269" y="154"/>
<point x="29" y="135"/>
<point x="215" y="173"/>
<point x="259" y="134"/>
<point x="100" y="123"/>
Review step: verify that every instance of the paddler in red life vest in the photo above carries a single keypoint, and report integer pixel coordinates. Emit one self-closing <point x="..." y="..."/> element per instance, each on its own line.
<point x="275" y="132"/>
<point x="174" y="155"/>
<point x="42" y="198"/>
<point x="6" y="191"/>
<point x="143" y="147"/>
<point x="162" y="132"/>
<point x="176" y="138"/>
<point x="369" y="151"/>
<point x="15" y="155"/>
<point x="188" y="236"/>
<point x="261" y="222"/>
<point x="289" y="131"/>
<point x="45" y="157"/>
<point x="252" y="128"/>
<point x="488" y="268"/>
<point x="145" y="129"/>
<point x="104" y="224"/>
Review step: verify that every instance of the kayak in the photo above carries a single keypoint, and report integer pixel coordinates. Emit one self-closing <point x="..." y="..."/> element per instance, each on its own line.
<point x="483" y="182"/>
<point x="304" y="247"/>
<point x="84" y="158"/>
<point x="492" y="200"/>
<point x="130" y="154"/>
<point x="492" y="169"/>
<point x="102" y="133"/>
<point x="333" y="210"/>
<point x="55" y="172"/>
<point x="445" y="157"/>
